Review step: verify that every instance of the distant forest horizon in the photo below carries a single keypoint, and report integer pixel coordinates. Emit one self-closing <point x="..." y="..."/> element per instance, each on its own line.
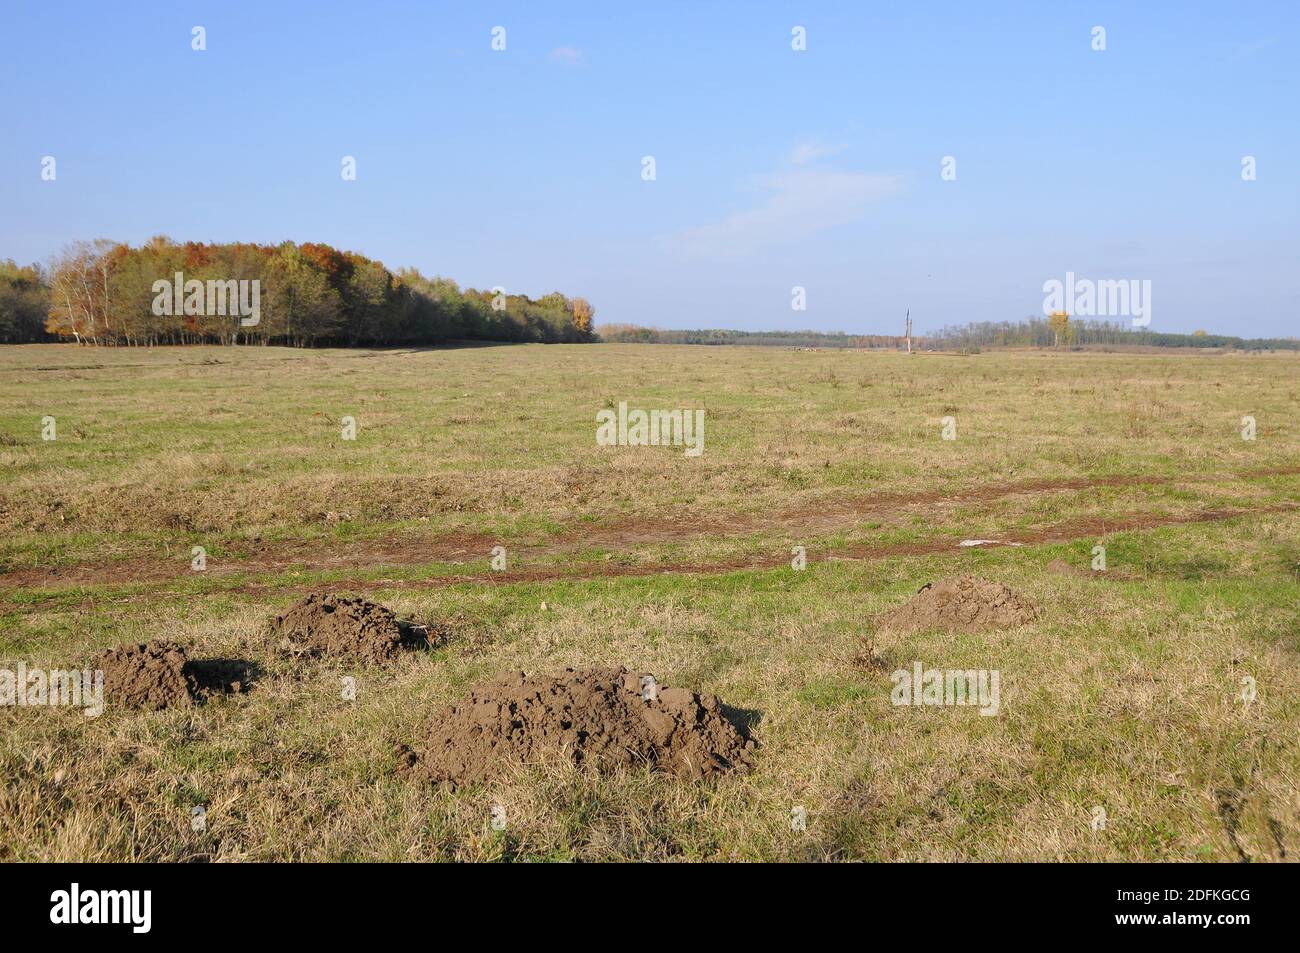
<point x="309" y="295"/>
<point x="313" y="295"/>
<point x="1030" y="332"/>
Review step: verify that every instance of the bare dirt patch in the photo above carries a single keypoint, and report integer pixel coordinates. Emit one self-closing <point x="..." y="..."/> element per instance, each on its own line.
<point x="963" y="604"/>
<point x="595" y="716"/>
<point x="355" y="629"/>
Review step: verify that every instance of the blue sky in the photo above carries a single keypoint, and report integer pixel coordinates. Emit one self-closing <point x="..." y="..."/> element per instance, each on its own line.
<point x="774" y="168"/>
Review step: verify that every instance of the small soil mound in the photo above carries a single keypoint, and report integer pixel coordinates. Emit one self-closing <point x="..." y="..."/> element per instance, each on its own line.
<point x="150" y="676"/>
<point x="599" y="716"/>
<point x="964" y="604"/>
<point x="1062" y="568"/>
<point x="356" y="629"/>
<point x="158" y="675"/>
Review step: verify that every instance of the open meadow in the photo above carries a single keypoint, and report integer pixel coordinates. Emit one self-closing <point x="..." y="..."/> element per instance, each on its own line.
<point x="1150" y="712"/>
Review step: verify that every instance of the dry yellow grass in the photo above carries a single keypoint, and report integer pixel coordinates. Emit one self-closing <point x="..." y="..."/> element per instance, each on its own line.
<point x="1125" y="695"/>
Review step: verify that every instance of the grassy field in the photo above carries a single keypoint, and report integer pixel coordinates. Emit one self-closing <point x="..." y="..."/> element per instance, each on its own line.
<point x="1127" y="695"/>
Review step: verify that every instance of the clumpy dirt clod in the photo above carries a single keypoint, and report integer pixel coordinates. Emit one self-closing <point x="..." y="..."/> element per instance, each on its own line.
<point x="356" y="629"/>
<point x="599" y="716"/>
<point x="964" y="604"/>
<point x="150" y="676"/>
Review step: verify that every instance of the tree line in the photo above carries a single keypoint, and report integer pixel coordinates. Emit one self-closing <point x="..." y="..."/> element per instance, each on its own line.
<point x="1062" y="329"/>
<point x="310" y="295"/>
<point x="1059" y="330"/>
<point x="24" y="304"/>
<point x="637" y="334"/>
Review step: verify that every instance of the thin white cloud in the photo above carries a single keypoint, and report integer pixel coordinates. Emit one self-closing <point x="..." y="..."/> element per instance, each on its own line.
<point x="1248" y="50"/>
<point x="800" y="203"/>
<point x="806" y="152"/>
<point x="565" y="54"/>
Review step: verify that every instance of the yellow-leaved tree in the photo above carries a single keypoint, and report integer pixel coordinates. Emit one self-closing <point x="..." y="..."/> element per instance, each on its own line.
<point x="1059" y="322"/>
<point x="582" y="315"/>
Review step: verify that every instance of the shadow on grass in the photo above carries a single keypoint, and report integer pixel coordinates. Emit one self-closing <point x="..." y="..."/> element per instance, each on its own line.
<point x="222" y="676"/>
<point x="744" y="719"/>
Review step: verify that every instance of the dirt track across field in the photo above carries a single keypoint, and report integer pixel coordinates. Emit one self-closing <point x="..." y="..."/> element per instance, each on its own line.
<point x="1062" y="532"/>
<point x="806" y="522"/>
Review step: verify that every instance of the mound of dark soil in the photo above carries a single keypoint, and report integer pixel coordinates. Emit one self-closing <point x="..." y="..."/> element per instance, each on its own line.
<point x="964" y="604"/>
<point x="150" y="676"/>
<point x="594" y="716"/>
<point x="158" y="675"/>
<point x="356" y="629"/>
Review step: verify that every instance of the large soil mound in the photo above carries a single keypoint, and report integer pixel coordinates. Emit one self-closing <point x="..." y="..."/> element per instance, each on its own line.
<point x="595" y="716"/>
<point x="151" y="676"/>
<point x="964" y="604"/>
<point x="356" y="629"/>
